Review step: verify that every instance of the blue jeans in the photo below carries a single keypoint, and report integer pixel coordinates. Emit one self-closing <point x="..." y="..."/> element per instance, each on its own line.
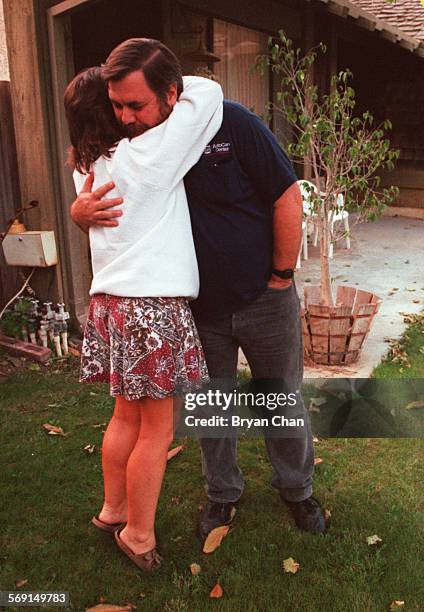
<point x="269" y="332"/>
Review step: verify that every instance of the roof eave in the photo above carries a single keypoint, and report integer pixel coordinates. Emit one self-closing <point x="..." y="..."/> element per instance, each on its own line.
<point x="345" y="9"/>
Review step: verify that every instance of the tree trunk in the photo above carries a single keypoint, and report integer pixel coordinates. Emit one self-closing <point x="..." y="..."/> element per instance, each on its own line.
<point x="326" y="296"/>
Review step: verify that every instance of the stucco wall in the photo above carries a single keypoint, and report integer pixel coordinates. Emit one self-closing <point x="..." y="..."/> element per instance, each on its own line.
<point x="4" y="65"/>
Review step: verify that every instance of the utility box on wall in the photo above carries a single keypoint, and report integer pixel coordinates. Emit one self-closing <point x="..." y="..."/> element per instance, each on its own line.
<point x="33" y="249"/>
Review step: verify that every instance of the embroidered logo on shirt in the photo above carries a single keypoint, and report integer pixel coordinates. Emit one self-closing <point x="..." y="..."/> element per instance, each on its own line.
<point x="217" y="149"/>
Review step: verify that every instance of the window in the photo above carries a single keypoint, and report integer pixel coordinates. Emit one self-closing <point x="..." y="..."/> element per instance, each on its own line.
<point x="238" y="47"/>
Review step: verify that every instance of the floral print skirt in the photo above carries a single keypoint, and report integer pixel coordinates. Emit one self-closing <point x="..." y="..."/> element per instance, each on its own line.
<point x="142" y="347"/>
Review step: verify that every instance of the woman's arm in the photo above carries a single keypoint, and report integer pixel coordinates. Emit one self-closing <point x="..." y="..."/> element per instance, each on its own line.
<point x="162" y="156"/>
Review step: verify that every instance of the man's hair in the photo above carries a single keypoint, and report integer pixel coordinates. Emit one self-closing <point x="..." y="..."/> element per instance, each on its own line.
<point x="159" y="65"/>
<point x="93" y="128"/>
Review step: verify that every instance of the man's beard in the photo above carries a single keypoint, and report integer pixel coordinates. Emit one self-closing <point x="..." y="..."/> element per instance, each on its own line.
<point x="136" y="129"/>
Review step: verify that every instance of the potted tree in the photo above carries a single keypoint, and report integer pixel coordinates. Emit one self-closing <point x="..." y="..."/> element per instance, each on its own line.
<point x="344" y="152"/>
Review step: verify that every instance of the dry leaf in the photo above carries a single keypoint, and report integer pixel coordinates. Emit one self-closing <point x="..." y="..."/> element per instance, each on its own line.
<point x="217" y="591"/>
<point x="90" y="448"/>
<point x="374" y="540"/>
<point x="291" y="566"/>
<point x="175" y="451"/>
<point x="327" y="514"/>
<point x="21" y="583"/>
<point x="413" y="405"/>
<point x="53" y="430"/>
<point x="315" y="402"/>
<point x="177" y="538"/>
<point x="316" y="440"/>
<point x="214" y="539"/>
<point x="396" y="604"/>
<point x="195" y="569"/>
<point x="318" y="460"/>
<point x="110" y="608"/>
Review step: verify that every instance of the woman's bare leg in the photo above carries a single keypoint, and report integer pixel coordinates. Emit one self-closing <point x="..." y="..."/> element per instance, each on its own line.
<point x="145" y="470"/>
<point x="118" y="442"/>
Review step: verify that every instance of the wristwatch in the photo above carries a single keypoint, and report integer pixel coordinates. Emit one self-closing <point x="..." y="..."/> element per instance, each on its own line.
<point x="286" y="274"/>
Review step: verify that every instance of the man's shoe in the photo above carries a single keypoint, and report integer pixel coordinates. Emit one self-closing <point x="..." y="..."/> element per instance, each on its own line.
<point x="308" y="514"/>
<point x="215" y="515"/>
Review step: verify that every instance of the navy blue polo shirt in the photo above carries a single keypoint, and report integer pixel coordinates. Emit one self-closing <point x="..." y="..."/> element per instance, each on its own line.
<point x="231" y="193"/>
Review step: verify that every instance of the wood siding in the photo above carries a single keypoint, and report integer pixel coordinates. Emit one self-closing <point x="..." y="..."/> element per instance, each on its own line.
<point x="9" y="188"/>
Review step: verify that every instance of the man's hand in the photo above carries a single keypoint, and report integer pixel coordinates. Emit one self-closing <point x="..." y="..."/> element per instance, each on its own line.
<point x="89" y="208"/>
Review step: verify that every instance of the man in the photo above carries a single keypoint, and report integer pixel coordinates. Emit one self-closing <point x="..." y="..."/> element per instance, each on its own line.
<point x="246" y="213"/>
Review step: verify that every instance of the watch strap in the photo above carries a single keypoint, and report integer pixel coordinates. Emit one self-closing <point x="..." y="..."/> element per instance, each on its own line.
<point x="286" y="274"/>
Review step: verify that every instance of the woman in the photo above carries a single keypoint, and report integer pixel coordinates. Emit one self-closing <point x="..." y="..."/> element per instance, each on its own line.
<point x="140" y="336"/>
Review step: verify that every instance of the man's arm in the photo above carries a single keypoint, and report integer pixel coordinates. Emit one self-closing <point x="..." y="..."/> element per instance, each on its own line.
<point x="89" y="208"/>
<point x="287" y="227"/>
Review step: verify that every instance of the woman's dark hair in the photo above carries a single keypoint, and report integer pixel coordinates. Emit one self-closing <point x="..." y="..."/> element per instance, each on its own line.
<point x="93" y="128"/>
<point x="159" y="65"/>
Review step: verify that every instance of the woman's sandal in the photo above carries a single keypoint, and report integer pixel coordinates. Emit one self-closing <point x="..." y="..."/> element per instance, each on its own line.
<point x="145" y="561"/>
<point x="108" y="527"/>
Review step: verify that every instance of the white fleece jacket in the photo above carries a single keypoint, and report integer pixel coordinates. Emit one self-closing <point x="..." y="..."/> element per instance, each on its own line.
<point x="151" y="252"/>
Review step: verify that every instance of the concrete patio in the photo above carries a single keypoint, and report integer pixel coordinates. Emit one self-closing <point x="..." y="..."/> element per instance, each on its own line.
<point x="386" y="258"/>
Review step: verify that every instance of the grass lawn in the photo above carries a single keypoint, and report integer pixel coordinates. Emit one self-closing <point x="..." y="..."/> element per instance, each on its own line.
<point x="50" y="488"/>
<point x="406" y="358"/>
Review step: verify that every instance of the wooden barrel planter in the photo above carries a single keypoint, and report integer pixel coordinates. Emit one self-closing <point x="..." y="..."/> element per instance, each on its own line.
<point x="335" y="335"/>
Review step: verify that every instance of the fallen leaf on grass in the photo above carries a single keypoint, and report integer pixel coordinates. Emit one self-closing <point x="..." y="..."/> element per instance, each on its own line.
<point x="90" y="448"/>
<point x="21" y="583"/>
<point x="175" y="451"/>
<point x="214" y="539"/>
<point x="327" y="514"/>
<point x="53" y="430"/>
<point x="374" y="540"/>
<point x="110" y="608"/>
<point x="177" y="538"/>
<point x="413" y="405"/>
<point x="291" y="566"/>
<point x="195" y="569"/>
<point x="217" y="591"/>
<point x="315" y="402"/>
<point x="316" y="440"/>
<point x="396" y="604"/>
<point x="318" y="460"/>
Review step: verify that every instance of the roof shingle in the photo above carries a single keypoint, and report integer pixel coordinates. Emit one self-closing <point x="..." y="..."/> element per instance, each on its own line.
<point x="407" y="15"/>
